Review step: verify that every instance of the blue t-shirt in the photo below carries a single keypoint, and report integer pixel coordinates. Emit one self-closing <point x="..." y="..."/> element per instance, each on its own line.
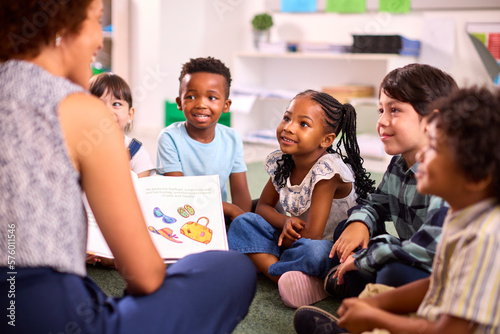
<point x="177" y="152"/>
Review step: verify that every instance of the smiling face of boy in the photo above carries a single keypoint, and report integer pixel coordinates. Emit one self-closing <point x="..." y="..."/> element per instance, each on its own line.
<point x="438" y="174"/>
<point x="401" y="128"/>
<point x="203" y="100"/>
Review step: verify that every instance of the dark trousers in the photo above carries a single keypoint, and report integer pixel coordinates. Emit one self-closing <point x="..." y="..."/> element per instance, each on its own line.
<point x="393" y="274"/>
<point x="202" y="293"/>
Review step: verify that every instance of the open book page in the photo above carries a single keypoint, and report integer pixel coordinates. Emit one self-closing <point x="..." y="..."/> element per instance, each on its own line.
<point x="95" y="241"/>
<point x="183" y="215"/>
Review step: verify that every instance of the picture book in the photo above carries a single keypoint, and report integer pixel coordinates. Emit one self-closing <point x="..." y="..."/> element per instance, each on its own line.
<point x="183" y="215"/>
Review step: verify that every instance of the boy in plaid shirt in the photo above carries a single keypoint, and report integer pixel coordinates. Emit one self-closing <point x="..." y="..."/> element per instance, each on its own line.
<point x="405" y="94"/>
<point x="460" y="164"/>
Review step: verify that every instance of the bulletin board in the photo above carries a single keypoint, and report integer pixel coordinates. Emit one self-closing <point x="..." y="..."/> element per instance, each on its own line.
<point x="455" y="4"/>
<point x="443" y="4"/>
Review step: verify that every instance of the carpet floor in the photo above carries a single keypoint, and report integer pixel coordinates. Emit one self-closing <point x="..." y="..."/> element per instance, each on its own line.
<point x="267" y="313"/>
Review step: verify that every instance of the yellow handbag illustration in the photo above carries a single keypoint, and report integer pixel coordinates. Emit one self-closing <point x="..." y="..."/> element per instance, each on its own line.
<point x="197" y="232"/>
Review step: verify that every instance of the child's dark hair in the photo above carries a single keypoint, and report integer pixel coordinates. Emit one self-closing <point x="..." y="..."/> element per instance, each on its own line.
<point x="339" y="117"/>
<point x="108" y="82"/>
<point x="469" y="121"/>
<point x="111" y="83"/>
<point x="418" y="84"/>
<point x="209" y="65"/>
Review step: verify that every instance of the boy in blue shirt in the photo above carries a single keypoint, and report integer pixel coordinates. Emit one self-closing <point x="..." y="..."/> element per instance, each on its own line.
<point x="199" y="145"/>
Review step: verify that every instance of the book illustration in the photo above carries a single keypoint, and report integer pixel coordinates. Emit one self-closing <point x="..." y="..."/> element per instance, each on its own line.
<point x="166" y="219"/>
<point x="166" y="232"/>
<point x="159" y="198"/>
<point x="197" y="232"/>
<point x="192" y="230"/>
<point x="189" y="209"/>
<point x="186" y="211"/>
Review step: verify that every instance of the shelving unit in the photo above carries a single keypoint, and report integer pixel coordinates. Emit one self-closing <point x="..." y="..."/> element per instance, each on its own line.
<point x="295" y="72"/>
<point x="290" y="73"/>
<point x="115" y="52"/>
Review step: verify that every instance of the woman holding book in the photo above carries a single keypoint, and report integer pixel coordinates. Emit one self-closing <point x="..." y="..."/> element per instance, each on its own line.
<point x="57" y="140"/>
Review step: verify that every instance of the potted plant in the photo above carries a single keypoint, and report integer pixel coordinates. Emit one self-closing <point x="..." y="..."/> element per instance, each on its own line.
<point x="261" y="24"/>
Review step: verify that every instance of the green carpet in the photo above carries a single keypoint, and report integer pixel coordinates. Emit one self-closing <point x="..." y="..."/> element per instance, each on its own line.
<point x="267" y="312"/>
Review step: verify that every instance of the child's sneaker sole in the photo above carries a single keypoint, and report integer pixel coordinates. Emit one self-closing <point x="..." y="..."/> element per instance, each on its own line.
<point x="298" y="289"/>
<point x="310" y="319"/>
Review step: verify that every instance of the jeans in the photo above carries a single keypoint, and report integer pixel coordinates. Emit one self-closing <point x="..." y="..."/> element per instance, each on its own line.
<point x="250" y="233"/>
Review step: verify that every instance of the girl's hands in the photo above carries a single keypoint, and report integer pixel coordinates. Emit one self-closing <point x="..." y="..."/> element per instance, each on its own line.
<point x="355" y="234"/>
<point x="290" y="230"/>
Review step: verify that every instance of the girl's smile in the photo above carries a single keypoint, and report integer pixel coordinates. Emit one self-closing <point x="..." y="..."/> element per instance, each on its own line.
<point x="302" y="129"/>
<point x="286" y="140"/>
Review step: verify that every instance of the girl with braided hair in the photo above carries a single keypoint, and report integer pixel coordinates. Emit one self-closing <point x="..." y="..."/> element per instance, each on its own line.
<point x="316" y="186"/>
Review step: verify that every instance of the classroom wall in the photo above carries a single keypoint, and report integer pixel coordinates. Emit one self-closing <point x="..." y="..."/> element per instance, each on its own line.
<point x="464" y="63"/>
<point x="165" y="34"/>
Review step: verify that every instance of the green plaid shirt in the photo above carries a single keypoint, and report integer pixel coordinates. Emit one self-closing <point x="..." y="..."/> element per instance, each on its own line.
<point x="417" y="218"/>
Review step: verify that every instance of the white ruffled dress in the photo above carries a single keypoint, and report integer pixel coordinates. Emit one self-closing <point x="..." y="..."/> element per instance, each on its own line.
<point x="296" y="199"/>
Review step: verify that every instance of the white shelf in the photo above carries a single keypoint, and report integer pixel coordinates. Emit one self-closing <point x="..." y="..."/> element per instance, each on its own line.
<point x="295" y="72"/>
<point x="266" y="73"/>
<point x="299" y="71"/>
<point x="329" y="56"/>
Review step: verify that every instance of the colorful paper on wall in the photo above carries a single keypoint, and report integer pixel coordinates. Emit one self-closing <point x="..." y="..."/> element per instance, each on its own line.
<point x="486" y="40"/>
<point x="394" y="6"/>
<point x="346" y="6"/>
<point x="298" y="6"/>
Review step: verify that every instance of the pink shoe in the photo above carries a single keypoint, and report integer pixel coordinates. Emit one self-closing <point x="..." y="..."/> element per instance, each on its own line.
<point x="298" y="289"/>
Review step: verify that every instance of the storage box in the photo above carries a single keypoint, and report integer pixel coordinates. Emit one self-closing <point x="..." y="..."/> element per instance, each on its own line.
<point x="172" y="115"/>
<point x="298" y="6"/>
<point x="394" y="6"/>
<point x="347" y="92"/>
<point x="385" y="44"/>
<point x="346" y="6"/>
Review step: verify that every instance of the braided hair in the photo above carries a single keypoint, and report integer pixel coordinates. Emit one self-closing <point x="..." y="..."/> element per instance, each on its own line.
<point x="340" y="117"/>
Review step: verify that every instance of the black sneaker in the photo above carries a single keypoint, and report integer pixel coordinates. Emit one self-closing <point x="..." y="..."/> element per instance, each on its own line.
<point x="332" y="288"/>
<point x="313" y="320"/>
